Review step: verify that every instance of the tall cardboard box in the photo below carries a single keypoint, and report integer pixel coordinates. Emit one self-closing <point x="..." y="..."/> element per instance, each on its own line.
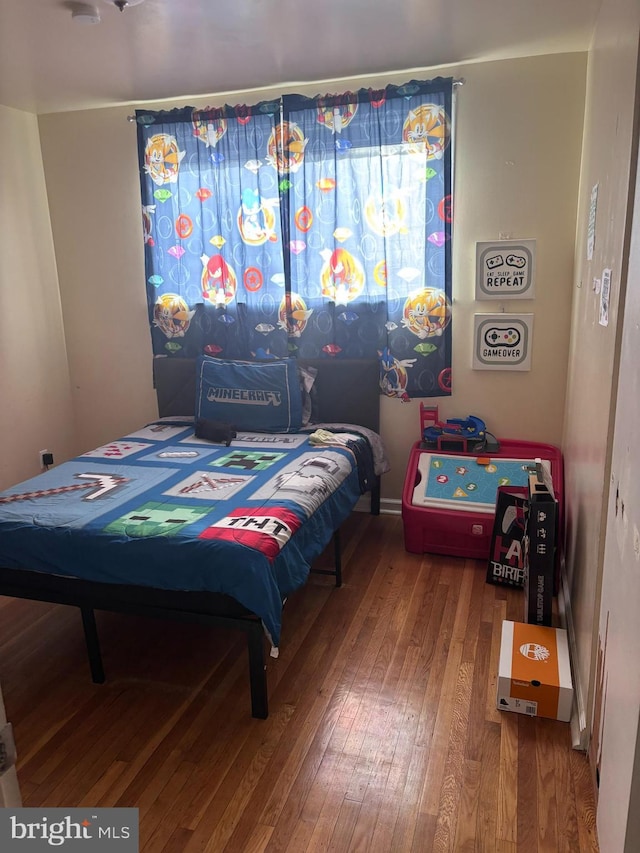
<point x="534" y="675"/>
<point x="540" y="547"/>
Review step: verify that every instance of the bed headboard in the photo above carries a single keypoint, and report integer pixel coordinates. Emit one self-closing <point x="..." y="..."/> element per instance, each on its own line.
<point x="347" y="391"/>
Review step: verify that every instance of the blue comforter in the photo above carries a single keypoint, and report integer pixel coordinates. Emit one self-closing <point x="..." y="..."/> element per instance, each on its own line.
<point x="162" y="508"/>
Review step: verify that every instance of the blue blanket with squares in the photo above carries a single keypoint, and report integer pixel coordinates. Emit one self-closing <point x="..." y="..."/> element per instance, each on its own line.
<point x="162" y="508"/>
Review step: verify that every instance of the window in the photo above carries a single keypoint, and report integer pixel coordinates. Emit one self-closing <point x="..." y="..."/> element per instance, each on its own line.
<point x="316" y="227"/>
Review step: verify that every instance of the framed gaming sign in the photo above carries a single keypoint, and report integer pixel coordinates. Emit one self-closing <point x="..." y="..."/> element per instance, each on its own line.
<point x="506" y="269"/>
<point x="502" y="341"/>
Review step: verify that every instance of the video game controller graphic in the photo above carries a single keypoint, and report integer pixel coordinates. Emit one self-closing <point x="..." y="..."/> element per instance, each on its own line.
<point x="495" y="261"/>
<point x="509" y="337"/>
<point x="516" y="261"/>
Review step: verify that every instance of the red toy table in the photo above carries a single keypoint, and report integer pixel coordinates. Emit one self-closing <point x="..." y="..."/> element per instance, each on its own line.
<point x="443" y="528"/>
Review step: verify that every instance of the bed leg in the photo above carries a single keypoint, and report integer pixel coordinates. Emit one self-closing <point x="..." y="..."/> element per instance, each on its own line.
<point x="257" y="672"/>
<point x="93" y="644"/>
<point x="375" y="497"/>
<point x="338" y="557"/>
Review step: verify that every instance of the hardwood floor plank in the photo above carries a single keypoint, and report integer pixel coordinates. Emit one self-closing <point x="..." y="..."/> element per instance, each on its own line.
<point x="363" y="829"/>
<point x="393" y="796"/>
<point x="527" y="829"/>
<point x="478" y="697"/>
<point x="582" y="777"/>
<point x="474" y="612"/>
<point x="164" y="813"/>
<point x="379" y="710"/>
<point x="423" y="837"/>
<point x="345" y="824"/>
<point x="152" y="758"/>
<point x="451" y="786"/>
<point x="469" y="804"/>
<point x="508" y="791"/>
<point x="71" y="779"/>
<point x="302" y="764"/>
<point x="258" y="841"/>
<point x="94" y="795"/>
<point x="503" y="846"/>
<point x="449" y="709"/>
<point x="499" y="615"/>
<point x="433" y="662"/>
<point x="565" y="795"/>
<point x="220" y="813"/>
<point x="547" y="816"/>
<point x="177" y="841"/>
<point x="334" y="779"/>
<point x="305" y="764"/>
<point x="383" y="732"/>
<point x="409" y="811"/>
<point x="487" y="819"/>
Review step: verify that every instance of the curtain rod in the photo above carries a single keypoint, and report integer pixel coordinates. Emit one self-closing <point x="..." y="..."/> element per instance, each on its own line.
<point x="456" y="83"/>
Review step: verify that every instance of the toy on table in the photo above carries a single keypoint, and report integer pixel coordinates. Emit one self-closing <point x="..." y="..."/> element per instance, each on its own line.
<point x="460" y="435"/>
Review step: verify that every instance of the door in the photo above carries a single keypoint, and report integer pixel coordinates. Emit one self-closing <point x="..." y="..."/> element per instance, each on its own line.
<point x="9" y="788"/>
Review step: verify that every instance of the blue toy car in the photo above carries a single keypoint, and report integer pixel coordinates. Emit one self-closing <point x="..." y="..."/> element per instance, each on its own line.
<point x="462" y="428"/>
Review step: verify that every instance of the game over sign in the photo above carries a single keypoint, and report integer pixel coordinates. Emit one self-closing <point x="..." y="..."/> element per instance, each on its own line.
<point x="505" y="269"/>
<point x="502" y="341"/>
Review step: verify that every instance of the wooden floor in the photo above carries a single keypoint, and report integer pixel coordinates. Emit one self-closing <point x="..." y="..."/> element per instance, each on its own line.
<point x="383" y="733"/>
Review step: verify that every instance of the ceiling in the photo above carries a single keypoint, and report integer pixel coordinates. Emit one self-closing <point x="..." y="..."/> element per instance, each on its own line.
<point x="183" y="48"/>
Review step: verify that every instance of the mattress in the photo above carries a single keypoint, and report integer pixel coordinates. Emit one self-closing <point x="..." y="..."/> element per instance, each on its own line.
<point x="162" y="508"/>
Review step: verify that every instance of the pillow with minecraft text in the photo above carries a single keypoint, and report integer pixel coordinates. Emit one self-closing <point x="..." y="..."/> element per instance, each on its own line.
<point x="253" y="396"/>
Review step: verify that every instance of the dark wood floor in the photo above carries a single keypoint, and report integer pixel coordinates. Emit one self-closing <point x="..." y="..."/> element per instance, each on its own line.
<point x="383" y="733"/>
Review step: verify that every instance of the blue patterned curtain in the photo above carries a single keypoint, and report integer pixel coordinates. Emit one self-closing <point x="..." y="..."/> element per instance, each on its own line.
<point x="317" y="227"/>
<point x="212" y="231"/>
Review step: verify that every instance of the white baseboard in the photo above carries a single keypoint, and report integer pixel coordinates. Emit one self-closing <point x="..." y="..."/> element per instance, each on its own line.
<point x="579" y="732"/>
<point x="390" y="506"/>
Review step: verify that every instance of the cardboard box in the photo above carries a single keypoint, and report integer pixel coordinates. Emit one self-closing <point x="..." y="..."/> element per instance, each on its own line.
<point x="534" y="675"/>
<point x="506" y="558"/>
<point x="540" y="547"/>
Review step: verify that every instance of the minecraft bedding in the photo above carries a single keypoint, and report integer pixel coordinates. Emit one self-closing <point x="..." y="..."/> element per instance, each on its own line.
<point x="162" y="508"/>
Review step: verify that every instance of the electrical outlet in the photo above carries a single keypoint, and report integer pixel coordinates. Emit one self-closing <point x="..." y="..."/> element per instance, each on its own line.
<point x="46" y="458"/>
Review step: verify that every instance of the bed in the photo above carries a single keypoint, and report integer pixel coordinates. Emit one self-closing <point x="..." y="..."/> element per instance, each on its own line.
<point x="165" y="523"/>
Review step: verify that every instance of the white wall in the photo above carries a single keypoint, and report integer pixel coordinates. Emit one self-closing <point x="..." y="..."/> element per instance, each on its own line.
<point x="593" y="359"/>
<point x="615" y="749"/>
<point x="35" y="399"/>
<point x="94" y="200"/>
<point x="619" y="633"/>
<point x="518" y="149"/>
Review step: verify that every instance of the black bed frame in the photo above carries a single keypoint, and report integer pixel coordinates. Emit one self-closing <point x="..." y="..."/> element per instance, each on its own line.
<point x="347" y="392"/>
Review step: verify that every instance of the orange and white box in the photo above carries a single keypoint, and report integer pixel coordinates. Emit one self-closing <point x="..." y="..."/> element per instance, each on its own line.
<point x="534" y="675"/>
